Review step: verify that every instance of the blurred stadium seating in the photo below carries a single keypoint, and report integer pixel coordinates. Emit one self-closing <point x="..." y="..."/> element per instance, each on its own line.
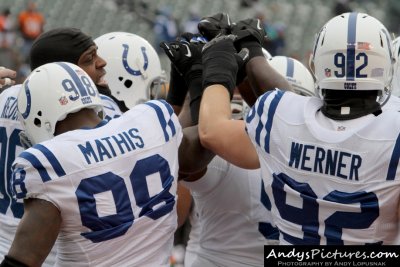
<point x="301" y="18"/>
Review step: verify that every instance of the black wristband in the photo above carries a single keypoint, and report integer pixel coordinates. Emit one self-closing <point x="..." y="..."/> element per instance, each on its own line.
<point x="253" y="45"/>
<point x="177" y="88"/>
<point x="10" y="262"/>
<point x="220" y="68"/>
<point x="195" y="72"/>
<point x="195" y="92"/>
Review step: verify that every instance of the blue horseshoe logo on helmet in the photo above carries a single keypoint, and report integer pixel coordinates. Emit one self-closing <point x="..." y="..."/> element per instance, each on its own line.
<point x="125" y="61"/>
<point x="28" y="100"/>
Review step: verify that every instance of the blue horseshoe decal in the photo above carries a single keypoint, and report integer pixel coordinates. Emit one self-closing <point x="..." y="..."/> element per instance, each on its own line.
<point x="125" y="61"/>
<point x="28" y="100"/>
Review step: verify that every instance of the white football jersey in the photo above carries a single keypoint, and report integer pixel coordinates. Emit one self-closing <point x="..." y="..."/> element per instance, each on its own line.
<point x="115" y="186"/>
<point x="11" y="210"/>
<point x="327" y="186"/>
<point x="392" y="103"/>
<point x="193" y="243"/>
<point x="111" y="108"/>
<point x="232" y="220"/>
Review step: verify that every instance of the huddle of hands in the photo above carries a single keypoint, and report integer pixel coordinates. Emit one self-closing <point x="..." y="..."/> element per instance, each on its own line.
<point x="218" y="54"/>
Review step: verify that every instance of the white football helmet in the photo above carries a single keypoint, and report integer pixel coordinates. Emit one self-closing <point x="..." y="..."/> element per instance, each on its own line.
<point x="353" y="51"/>
<point x="133" y="67"/>
<point x="50" y="93"/>
<point x="299" y="77"/>
<point x="396" y="76"/>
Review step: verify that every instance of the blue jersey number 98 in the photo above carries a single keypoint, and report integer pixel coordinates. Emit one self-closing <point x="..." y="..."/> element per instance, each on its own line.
<point x="112" y="226"/>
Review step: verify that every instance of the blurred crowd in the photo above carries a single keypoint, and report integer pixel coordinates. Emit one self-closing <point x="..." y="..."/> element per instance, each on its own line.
<point x="17" y="35"/>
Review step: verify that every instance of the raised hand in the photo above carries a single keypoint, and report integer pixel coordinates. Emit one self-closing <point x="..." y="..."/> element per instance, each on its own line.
<point x="7" y="77"/>
<point x="221" y="62"/>
<point x="214" y="25"/>
<point x="185" y="56"/>
<point x="249" y="29"/>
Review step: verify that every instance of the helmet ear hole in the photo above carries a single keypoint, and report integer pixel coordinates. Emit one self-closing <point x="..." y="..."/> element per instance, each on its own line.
<point x="37" y="122"/>
<point x="128" y="83"/>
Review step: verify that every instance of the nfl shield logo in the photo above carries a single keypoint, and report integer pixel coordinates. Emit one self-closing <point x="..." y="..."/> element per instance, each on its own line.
<point x="328" y="72"/>
<point x="63" y="100"/>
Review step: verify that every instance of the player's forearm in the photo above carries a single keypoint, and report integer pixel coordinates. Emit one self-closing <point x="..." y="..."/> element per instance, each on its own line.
<point x="214" y="109"/>
<point x="263" y="77"/>
<point x="193" y="157"/>
<point x="36" y="232"/>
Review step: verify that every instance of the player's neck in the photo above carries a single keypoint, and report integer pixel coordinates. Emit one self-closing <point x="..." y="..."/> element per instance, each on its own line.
<point x="85" y="118"/>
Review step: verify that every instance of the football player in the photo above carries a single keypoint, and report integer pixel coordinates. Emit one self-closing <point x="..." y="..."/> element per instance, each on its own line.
<point x="323" y="186"/>
<point x="61" y="44"/>
<point x="104" y="189"/>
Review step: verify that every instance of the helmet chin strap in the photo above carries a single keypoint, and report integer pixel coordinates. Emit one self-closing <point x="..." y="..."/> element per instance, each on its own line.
<point x="348" y="105"/>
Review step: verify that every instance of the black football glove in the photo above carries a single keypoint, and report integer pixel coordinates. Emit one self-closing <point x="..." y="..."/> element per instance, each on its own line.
<point x="221" y="62"/>
<point x="177" y="85"/>
<point x="213" y="25"/>
<point x="251" y="35"/>
<point x="192" y="38"/>
<point x="177" y="88"/>
<point x="185" y="55"/>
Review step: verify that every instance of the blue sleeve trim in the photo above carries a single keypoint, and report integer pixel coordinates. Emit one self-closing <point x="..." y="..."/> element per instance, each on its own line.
<point x="52" y="159"/>
<point x="161" y="119"/>
<point x="37" y="165"/>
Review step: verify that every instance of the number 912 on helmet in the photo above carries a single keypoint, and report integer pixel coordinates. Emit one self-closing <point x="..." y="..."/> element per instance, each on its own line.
<point x="134" y="72"/>
<point x="50" y="93"/>
<point x="353" y="51"/>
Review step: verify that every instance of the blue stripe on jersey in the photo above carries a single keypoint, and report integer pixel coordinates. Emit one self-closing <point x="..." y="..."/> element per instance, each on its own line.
<point x="37" y="165"/>
<point x="351" y="46"/>
<point x="161" y="118"/>
<point x="394" y="161"/>
<point x="251" y="114"/>
<point x="289" y="67"/>
<point x="75" y="78"/>
<point x="109" y="100"/>
<point x="170" y="111"/>
<point x="260" y="108"/>
<point x="52" y="159"/>
<point x="271" y="113"/>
